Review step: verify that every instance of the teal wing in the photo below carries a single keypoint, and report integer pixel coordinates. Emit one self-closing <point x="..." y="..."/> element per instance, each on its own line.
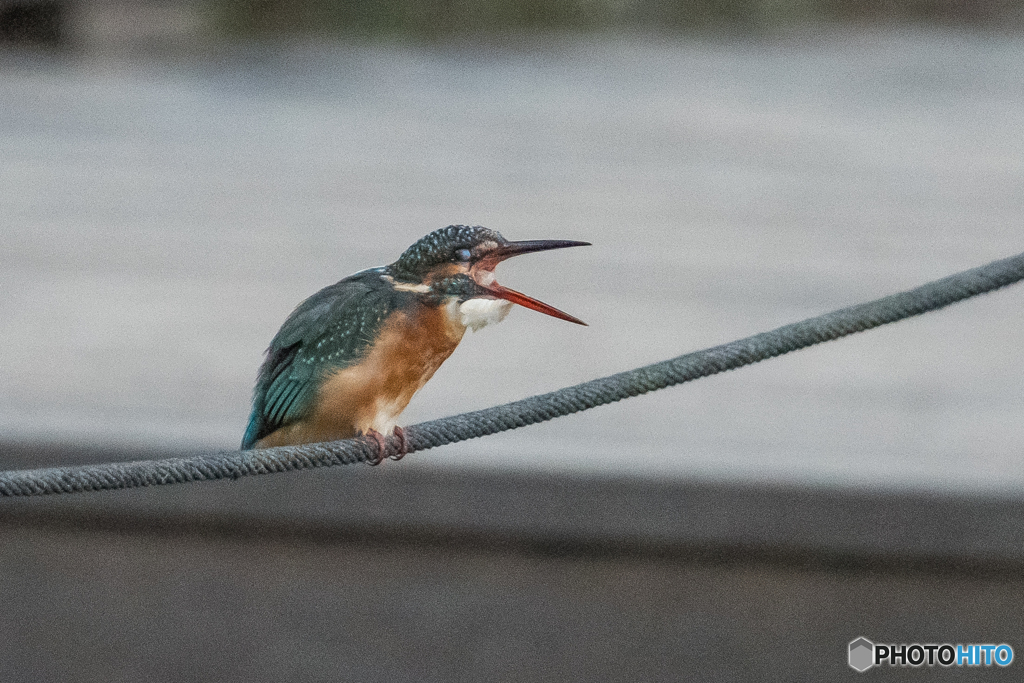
<point x="329" y="331"/>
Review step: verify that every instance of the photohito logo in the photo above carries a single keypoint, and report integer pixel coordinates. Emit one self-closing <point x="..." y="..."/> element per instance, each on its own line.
<point x="863" y="654"/>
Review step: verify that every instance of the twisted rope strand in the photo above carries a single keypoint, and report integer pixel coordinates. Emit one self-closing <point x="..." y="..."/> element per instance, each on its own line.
<point x="685" y="368"/>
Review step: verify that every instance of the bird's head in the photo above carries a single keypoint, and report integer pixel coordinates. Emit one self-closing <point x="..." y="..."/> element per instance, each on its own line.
<point x="457" y="264"/>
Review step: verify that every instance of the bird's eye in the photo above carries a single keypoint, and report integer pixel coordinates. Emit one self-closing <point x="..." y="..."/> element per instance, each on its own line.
<point x="462" y="254"/>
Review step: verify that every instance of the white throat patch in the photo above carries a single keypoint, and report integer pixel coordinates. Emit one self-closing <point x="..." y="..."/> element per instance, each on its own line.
<point x="478" y="313"/>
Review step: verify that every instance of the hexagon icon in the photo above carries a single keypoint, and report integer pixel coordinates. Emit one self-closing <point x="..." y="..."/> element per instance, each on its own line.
<point x="862" y="654"/>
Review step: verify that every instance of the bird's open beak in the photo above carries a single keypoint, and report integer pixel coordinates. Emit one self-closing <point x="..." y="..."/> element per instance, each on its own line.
<point x="485" y="274"/>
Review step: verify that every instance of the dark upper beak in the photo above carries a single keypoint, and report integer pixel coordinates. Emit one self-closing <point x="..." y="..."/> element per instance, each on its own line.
<point x="511" y="249"/>
<point x="528" y="247"/>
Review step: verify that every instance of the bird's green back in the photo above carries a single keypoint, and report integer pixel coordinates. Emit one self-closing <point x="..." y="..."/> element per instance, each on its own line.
<point x="327" y="332"/>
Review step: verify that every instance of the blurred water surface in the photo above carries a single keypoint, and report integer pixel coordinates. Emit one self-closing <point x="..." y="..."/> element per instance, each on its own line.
<point x="159" y="220"/>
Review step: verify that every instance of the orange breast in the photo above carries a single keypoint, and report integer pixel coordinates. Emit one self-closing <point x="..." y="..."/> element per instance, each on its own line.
<point x="372" y="394"/>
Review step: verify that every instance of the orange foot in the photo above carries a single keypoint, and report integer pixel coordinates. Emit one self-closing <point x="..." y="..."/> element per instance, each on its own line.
<point x="382" y="447"/>
<point x="403" y="445"/>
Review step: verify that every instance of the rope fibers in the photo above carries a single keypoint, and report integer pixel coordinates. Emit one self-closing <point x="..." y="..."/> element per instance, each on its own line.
<point x="685" y="368"/>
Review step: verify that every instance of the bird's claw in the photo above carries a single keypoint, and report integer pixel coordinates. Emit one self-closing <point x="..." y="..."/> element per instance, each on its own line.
<point x="382" y="447"/>
<point x="403" y="445"/>
<point x="379" y="456"/>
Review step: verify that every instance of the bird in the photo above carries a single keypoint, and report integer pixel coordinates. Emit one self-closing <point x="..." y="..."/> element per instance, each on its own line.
<point x="348" y="360"/>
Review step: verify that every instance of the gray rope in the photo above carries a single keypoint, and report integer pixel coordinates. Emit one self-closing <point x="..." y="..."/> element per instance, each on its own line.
<point x="232" y="465"/>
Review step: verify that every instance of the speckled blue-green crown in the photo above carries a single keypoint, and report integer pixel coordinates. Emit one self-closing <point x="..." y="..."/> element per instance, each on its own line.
<point x="439" y="247"/>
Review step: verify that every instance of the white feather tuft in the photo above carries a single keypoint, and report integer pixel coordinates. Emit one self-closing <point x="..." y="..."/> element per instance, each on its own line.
<point x="478" y="313"/>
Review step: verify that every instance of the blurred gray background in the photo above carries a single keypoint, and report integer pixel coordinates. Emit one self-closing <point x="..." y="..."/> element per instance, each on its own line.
<point x="176" y="177"/>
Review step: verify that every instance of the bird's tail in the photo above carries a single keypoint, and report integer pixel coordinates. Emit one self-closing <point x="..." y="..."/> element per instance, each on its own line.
<point x="250" y="438"/>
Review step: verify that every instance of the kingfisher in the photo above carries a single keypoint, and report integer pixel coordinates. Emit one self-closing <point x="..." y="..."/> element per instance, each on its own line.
<point x="348" y="360"/>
